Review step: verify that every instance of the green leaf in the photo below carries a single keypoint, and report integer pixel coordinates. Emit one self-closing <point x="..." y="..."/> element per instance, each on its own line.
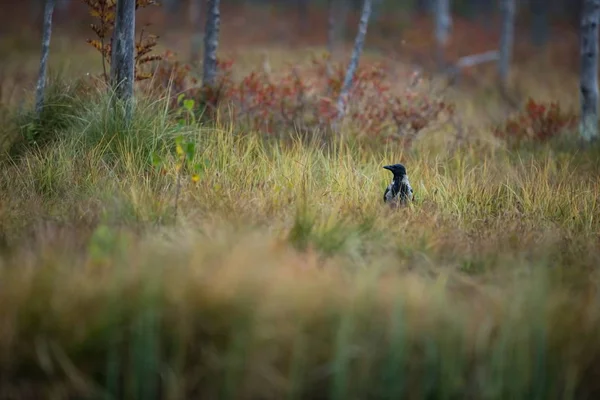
<point x="156" y="159"/>
<point x="188" y="104"/>
<point x="179" y="143"/>
<point x="180" y="98"/>
<point x="190" y="149"/>
<point x="179" y="150"/>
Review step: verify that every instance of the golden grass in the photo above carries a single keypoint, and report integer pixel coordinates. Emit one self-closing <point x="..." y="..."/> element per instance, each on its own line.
<point x="285" y="276"/>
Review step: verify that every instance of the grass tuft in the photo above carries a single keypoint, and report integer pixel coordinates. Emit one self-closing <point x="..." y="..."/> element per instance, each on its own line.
<point x="283" y="274"/>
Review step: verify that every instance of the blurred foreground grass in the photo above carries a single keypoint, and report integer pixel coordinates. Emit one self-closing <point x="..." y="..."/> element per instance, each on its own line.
<point x="283" y="275"/>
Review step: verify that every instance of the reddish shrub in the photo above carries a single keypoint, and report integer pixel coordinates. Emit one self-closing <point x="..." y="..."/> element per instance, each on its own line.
<point x="172" y="75"/>
<point x="538" y="122"/>
<point x="306" y="99"/>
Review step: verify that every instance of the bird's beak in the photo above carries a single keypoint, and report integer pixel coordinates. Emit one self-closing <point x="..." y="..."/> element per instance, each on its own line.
<point x="388" y="167"/>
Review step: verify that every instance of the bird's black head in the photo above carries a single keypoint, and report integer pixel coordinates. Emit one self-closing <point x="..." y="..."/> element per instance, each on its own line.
<point x="397" y="169"/>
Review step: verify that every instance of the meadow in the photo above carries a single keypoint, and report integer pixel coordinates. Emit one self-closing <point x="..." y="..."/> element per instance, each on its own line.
<point x="176" y="256"/>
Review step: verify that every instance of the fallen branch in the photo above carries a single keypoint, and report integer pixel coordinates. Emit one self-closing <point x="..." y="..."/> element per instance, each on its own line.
<point x="476" y="59"/>
<point x="470" y="61"/>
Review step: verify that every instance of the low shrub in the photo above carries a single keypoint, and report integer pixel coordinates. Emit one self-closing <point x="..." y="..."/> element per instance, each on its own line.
<point x="304" y="98"/>
<point x="537" y="122"/>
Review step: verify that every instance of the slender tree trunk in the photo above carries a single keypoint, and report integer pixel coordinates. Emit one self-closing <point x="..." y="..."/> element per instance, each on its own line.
<point x="211" y="43"/>
<point x="590" y="17"/>
<point x="47" y="33"/>
<point x="198" y="33"/>
<point x="506" y="40"/>
<point x="443" y="24"/>
<point x="123" y="53"/>
<point x="356" y="52"/>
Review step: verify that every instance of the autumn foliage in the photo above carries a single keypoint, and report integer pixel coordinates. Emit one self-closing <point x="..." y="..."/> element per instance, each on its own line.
<point x="172" y="74"/>
<point x="104" y="11"/>
<point x="538" y="122"/>
<point x="304" y="98"/>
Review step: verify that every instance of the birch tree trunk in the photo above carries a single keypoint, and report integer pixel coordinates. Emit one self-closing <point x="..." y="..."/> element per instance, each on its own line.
<point x="443" y="24"/>
<point x="506" y="40"/>
<point x="197" y="35"/>
<point x="122" y="71"/>
<point x="590" y="17"/>
<point x="211" y="43"/>
<point x="356" y="52"/>
<point x="47" y="33"/>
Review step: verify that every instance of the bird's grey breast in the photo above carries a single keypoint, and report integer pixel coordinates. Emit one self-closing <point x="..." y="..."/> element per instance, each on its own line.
<point x="389" y="192"/>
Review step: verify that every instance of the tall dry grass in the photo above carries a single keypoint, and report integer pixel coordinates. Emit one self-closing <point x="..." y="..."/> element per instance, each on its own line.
<point x="283" y="275"/>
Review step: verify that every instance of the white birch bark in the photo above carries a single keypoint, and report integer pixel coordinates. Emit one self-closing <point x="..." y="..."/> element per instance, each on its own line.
<point x="506" y="40"/>
<point x="47" y="33"/>
<point x="123" y="52"/>
<point x="443" y="24"/>
<point x="211" y="43"/>
<point x="356" y="52"/>
<point x="590" y="17"/>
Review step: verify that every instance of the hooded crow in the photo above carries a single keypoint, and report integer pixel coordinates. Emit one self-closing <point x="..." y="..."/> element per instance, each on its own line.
<point x="399" y="191"/>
